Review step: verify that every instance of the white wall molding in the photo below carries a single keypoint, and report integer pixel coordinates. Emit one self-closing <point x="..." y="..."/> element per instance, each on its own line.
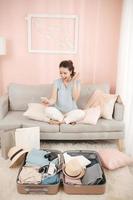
<point x="64" y="43"/>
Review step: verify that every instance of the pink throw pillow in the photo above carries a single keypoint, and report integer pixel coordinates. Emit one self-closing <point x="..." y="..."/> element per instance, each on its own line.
<point x="113" y="158"/>
<point x="105" y="101"/>
<point x="91" y="115"/>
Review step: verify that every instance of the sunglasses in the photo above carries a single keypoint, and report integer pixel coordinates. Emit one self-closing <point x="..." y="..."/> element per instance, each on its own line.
<point x="51" y="156"/>
<point x="43" y="169"/>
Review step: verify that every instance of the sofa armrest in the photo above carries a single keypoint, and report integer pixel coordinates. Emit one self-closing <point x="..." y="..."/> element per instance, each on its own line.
<point x="7" y="141"/>
<point x="3" y="106"/>
<point x="118" y="111"/>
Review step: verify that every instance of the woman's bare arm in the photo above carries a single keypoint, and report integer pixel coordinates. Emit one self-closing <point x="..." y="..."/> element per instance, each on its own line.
<point x="76" y="88"/>
<point x="52" y="100"/>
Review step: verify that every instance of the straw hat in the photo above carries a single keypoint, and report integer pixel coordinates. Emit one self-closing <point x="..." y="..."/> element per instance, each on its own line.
<point x="16" y="156"/>
<point x="73" y="169"/>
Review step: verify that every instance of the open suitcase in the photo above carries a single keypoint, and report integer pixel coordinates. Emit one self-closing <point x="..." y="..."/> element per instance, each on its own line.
<point x="86" y="189"/>
<point x="96" y="188"/>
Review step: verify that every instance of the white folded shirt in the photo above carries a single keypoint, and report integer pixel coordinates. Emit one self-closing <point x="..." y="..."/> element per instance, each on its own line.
<point x="83" y="161"/>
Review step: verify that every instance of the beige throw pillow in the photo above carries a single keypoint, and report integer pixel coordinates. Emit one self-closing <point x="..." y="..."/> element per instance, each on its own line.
<point x="36" y="111"/>
<point x="105" y="101"/>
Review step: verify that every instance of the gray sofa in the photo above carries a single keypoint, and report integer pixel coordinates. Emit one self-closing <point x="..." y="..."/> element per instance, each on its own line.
<point x="14" y="103"/>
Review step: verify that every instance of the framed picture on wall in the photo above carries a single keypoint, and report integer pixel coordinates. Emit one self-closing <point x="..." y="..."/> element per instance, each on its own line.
<point x="52" y="34"/>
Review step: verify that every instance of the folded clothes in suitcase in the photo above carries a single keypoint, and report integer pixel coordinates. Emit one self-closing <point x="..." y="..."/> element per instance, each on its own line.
<point x="44" y="171"/>
<point x="93" y="180"/>
<point x="40" y="172"/>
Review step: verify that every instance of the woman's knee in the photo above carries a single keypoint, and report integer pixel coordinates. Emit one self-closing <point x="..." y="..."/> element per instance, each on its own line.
<point x="54" y="113"/>
<point x="74" y="116"/>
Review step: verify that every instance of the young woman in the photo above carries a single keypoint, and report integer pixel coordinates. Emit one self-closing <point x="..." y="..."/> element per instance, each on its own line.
<point x="65" y="94"/>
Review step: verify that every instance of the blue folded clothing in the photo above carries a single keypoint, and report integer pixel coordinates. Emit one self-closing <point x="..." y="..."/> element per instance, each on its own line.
<point x="51" y="180"/>
<point x="36" y="157"/>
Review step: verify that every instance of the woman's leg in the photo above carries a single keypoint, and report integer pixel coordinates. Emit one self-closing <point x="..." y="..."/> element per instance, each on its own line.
<point x="54" y="115"/>
<point x="74" y="116"/>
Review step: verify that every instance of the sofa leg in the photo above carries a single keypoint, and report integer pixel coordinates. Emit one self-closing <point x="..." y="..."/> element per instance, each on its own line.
<point x="120" y="144"/>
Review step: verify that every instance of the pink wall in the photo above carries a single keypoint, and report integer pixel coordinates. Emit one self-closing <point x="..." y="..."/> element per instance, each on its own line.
<point x="96" y="60"/>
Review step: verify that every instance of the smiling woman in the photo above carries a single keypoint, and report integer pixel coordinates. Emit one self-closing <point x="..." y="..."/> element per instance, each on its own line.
<point x="65" y="93"/>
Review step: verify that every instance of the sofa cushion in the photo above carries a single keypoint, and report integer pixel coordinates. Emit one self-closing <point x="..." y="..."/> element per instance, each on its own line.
<point x="20" y="95"/>
<point x="44" y="126"/>
<point x="15" y="119"/>
<point x="103" y="125"/>
<point x="87" y="90"/>
<point x="4" y="126"/>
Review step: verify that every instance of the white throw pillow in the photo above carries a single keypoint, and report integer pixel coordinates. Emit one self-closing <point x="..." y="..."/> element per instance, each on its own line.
<point x="74" y="116"/>
<point x="91" y="115"/>
<point x="36" y="111"/>
<point x="54" y="113"/>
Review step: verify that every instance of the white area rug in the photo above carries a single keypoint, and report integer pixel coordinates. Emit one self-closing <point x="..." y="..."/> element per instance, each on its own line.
<point x="119" y="182"/>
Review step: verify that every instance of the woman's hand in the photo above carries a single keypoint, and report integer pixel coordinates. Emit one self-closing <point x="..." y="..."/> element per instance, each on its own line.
<point x="45" y="101"/>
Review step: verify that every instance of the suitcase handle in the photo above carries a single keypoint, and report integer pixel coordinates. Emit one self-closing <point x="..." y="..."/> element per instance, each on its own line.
<point x="35" y="190"/>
